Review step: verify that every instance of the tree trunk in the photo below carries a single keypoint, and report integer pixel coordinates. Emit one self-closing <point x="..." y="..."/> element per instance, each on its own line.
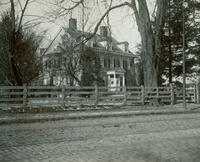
<point x="15" y="35"/>
<point x="146" y="32"/>
<point x="170" y="47"/>
<point x="149" y="66"/>
<point x="17" y="78"/>
<point x="71" y="81"/>
<point x="151" y="44"/>
<point x="170" y="57"/>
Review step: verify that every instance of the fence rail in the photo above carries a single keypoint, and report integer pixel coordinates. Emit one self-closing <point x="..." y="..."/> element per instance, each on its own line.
<point x="62" y="96"/>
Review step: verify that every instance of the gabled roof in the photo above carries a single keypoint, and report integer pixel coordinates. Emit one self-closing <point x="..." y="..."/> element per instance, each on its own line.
<point x="97" y="40"/>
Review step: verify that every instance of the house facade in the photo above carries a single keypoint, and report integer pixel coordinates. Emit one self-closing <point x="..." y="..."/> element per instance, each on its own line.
<point x="116" y="61"/>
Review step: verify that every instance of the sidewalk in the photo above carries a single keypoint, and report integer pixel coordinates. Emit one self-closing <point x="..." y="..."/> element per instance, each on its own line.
<point x="7" y="117"/>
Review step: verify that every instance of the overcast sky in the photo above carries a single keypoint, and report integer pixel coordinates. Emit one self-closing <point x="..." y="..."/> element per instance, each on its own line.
<point x="122" y="21"/>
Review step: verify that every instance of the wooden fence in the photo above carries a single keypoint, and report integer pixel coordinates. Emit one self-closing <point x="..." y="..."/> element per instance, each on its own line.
<point x="64" y="96"/>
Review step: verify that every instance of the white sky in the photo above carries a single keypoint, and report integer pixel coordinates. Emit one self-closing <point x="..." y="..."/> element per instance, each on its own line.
<point x="122" y="21"/>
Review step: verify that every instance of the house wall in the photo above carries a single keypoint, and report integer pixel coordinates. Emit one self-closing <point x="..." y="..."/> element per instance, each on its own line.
<point x="110" y="59"/>
<point x="108" y="62"/>
<point x="118" y="62"/>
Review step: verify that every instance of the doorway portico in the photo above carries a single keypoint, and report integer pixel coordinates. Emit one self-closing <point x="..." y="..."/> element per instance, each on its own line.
<point x="116" y="79"/>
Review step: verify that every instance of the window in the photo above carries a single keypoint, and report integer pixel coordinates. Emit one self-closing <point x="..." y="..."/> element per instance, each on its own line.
<point x="131" y="63"/>
<point x="117" y="75"/>
<point x="95" y="45"/>
<point x="46" y="64"/>
<point x="109" y="63"/>
<point x="104" y="62"/>
<point x="59" y="62"/>
<point x="50" y="64"/>
<point x="115" y="63"/>
<point x="118" y="63"/>
<point x="111" y="75"/>
<point x="125" y="64"/>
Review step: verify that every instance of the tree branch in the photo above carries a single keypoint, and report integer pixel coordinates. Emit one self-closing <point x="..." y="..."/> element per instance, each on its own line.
<point x="134" y="7"/>
<point x="20" y="5"/>
<point x="101" y="19"/>
<point x="22" y="15"/>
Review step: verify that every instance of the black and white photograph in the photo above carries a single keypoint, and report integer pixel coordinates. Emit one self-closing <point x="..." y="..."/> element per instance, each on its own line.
<point x="99" y="80"/>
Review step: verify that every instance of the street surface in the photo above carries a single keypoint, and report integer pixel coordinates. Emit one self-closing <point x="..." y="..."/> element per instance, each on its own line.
<point x="153" y="138"/>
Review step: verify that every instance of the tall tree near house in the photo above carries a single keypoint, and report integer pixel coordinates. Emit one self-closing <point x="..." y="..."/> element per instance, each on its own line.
<point x="172" y="38"/>
<point x="90" y="64"/>
<point x="15" y="30"/>
<point x="71" y="58"/>
<point x="151" y="43"/>
<point x="139" y="66"/>
<point x="5" y="34"/>
<point x="77" y="60"/>
<point x="24" y="59"/>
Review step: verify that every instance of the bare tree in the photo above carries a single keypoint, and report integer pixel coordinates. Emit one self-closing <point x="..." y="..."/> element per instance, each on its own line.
<point x="70" y="55"/>
<point x="150" y="38"/>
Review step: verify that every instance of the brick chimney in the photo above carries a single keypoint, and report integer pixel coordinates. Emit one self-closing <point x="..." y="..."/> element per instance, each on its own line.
<point x="126" y="44"/>
<point x="104" y="31"/>
<point x="73" y="24"/>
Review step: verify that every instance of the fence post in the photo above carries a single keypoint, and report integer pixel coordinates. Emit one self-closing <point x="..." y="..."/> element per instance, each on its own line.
<point x="25" y="94"/>
<point x="142" y="94"/>
<point x="125" y="94"/>
<point x="96" y="94"/>
<point x="172" y="94"/>
<point x="157" y="92"/>
<point x="197" y="93"/>
<point x="63" y="96"/>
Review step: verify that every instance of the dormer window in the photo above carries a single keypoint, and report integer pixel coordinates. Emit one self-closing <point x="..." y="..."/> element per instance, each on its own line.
<point x="104" y="43"/>
<point x="123" y="46"/>
<point x="110" y="47"/>
<point x="95" y="45"/>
